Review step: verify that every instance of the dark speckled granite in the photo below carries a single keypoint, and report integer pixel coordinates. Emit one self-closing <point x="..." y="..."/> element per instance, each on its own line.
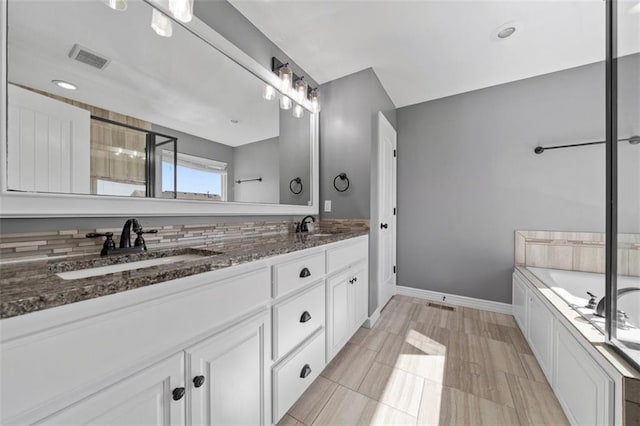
<point x="33" y="286"/>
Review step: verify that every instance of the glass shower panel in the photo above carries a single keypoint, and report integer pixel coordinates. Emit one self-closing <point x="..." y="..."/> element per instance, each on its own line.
<point x="625" y="318"/>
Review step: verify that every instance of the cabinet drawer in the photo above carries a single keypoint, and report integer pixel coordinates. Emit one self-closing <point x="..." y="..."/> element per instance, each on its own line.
<point x="348" y="254"/>
<point x="295" y="273"/>
<point x="288" y="383"/>
<point x="290" y="328"/>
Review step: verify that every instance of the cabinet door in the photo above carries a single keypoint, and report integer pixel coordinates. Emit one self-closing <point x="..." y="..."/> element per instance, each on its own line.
<point x="520" y="303"/>
<point x="228" y="381"/>
<point x="338" y="313"/>
<point x="582" y="387"/>
<point x="146" y="398"/>
<point x="359" y="297"/>
<point x="540" y="322"/>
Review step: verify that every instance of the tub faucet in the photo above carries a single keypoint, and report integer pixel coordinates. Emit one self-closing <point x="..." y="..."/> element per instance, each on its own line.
<point x="600" y="307"/>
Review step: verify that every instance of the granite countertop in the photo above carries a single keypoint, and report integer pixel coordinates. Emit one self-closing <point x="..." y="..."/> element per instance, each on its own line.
<point x="34" y="286"/>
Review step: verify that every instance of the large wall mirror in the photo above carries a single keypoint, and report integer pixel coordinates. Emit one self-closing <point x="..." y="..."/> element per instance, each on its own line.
<point x="101" y="102"/>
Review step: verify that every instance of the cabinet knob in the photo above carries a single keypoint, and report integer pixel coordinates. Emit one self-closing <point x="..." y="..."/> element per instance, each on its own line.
<point x="352" y="280"/>
<point x="306" y="316"/>
<point x="355" y="279"/>
<point x="306" y="370"/>
<point x="198" y="381"/>
<point x="305" y="273"/>
<point x="384" y="226"/>
<point x="178" y="393"/>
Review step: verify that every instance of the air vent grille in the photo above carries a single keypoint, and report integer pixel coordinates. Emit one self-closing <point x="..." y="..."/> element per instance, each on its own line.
<point x="86" y="56"/>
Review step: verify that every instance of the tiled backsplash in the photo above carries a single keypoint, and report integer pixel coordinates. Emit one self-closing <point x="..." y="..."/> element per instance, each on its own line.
<point x="575" y="251"/>
<point x="38" y="245"/>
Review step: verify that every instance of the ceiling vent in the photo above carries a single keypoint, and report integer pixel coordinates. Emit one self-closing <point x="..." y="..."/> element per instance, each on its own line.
<point x="86" y="56"/>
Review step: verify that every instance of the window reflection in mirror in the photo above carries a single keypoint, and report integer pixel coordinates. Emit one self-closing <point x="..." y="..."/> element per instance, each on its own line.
<point x="148" y="116"/>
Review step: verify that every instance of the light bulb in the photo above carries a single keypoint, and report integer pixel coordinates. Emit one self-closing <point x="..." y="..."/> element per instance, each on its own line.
<point x="301" y="89"/>
<point x="268" y="92"/>
<point x="285" y="102"/>
<point x="161" y="24"/>
<point x="182" y="10"/>
<point x="315" y="101"/>
<point x="286" y="77"/>
<point x="298" y="111"/>
<point x="119" y="5"/>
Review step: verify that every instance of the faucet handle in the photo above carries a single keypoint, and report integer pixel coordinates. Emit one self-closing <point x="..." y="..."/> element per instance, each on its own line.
<point x="108" y="245"/>
<point x="140" y="242"/>
<point x="98" y="235"/>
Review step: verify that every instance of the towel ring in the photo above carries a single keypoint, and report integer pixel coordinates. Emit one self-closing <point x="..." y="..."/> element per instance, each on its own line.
<point x="299" y="182"/>
<point x="343" y="177"/>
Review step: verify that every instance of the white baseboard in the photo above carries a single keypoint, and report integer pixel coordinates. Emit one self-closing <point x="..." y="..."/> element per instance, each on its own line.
<point x="373" y="319"/>
<point x="469" y="302"/>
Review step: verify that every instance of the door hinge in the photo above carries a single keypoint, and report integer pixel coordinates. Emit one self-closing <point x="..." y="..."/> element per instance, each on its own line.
<point x="395" y="152"/>
<point x="394" y="211"/>
<point x="394" y="269"/>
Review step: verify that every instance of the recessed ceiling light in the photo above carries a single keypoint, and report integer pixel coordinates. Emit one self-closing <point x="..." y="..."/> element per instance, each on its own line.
<point x="506" y="32"/>
<point x="235" y="121"/>
<point x="65" y="84"/>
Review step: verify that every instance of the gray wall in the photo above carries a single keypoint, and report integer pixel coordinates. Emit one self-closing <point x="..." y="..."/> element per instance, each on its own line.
<point x="468" y="177"/>
<point x="295" y="158"/>
<point x="348" y="143"/>
<point x="348" y="123"/>
<point x="254" y="160"/>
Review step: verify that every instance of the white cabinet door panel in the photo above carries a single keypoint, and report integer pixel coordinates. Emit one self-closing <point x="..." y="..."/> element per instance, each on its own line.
<point x="582" y="387"/>
<point x="540" y="323"/>
<point x="338" y="313"/>
<point x="145" y="398"/>
<point x="235" y="385"/>
<point x="520" y="296"/>
<point x="359" y="297"/>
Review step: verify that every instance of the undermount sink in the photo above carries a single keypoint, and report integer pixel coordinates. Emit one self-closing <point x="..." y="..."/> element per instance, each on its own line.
<point x="128" y="263"/>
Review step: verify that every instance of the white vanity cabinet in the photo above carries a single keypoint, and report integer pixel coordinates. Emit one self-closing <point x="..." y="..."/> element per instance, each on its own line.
<point x="347" y="293"/>
<point x="581" y="385"/>
<point x="234" y="346"/>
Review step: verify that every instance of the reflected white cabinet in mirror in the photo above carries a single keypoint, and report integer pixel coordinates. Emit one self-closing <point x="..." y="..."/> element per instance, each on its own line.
<point x="150" y="124"/>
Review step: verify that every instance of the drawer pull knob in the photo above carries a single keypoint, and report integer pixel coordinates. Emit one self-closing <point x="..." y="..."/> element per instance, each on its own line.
<point x="305" y="273"/>
<point x="306" y="316"/>
<point x="198" y="381"/>
<point x="352" y="280"/>
<point x="178" y="393"/>
<point x="306" y="370"/>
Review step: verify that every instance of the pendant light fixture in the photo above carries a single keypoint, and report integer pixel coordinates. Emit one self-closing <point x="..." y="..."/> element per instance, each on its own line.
<point x="298" y="111"/>
<point x="182" y="10"/>
<point x="315" y="101"/>
<point x="161" y="24"/>
<point x="285" y="102"/>
<point x="119" y="5"/>
<point x="286" y="77"/>
<point x="268" y="92"/>
<point x="301" y="87"/>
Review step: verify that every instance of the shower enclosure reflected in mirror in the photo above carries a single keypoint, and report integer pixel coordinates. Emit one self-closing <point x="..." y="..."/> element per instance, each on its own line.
<point x="101" y="104"/>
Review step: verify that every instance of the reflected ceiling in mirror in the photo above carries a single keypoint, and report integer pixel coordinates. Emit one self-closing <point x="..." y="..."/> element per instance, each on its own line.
<point x="177" y="86"/>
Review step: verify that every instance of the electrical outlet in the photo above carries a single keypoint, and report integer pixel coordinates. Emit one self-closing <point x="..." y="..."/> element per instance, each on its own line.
<point x="327" y="206"/>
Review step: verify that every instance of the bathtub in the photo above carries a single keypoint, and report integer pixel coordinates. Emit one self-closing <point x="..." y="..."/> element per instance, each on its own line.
<point x="573" y="286"/>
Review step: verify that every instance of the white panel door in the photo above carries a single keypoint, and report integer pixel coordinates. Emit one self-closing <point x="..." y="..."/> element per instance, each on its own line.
<point x="387" y="149"/>
<point x="48" y="144"/>
<point x="146" y="398"/>
<point x="228" y="381"/>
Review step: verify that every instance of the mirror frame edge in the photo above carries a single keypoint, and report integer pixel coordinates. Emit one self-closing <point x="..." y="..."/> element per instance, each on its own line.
<point x="42" y="205"/>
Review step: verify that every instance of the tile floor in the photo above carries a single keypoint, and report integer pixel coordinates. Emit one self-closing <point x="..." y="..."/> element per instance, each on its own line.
<point x="430" y="366"/>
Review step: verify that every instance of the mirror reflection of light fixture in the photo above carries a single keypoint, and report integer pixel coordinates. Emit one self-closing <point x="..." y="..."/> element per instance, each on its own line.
<point x="268" y="92"/>
<point x="315" y="100"/>
<point x="298" y="111"/>
<point x="285" y="102"/>
<point x="286" y="77"/>
<point x="119" y="5"/>
<point x="182" y="10"/>
<point x="161" y="24"/>
<point x="301" y="87"/>
<point x="65" y="84"/>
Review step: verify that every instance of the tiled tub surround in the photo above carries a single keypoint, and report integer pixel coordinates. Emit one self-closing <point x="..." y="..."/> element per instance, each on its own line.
<point x="575" y="251"/>
<point x="33" y="285"/>
<point x="583" y="252"/>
